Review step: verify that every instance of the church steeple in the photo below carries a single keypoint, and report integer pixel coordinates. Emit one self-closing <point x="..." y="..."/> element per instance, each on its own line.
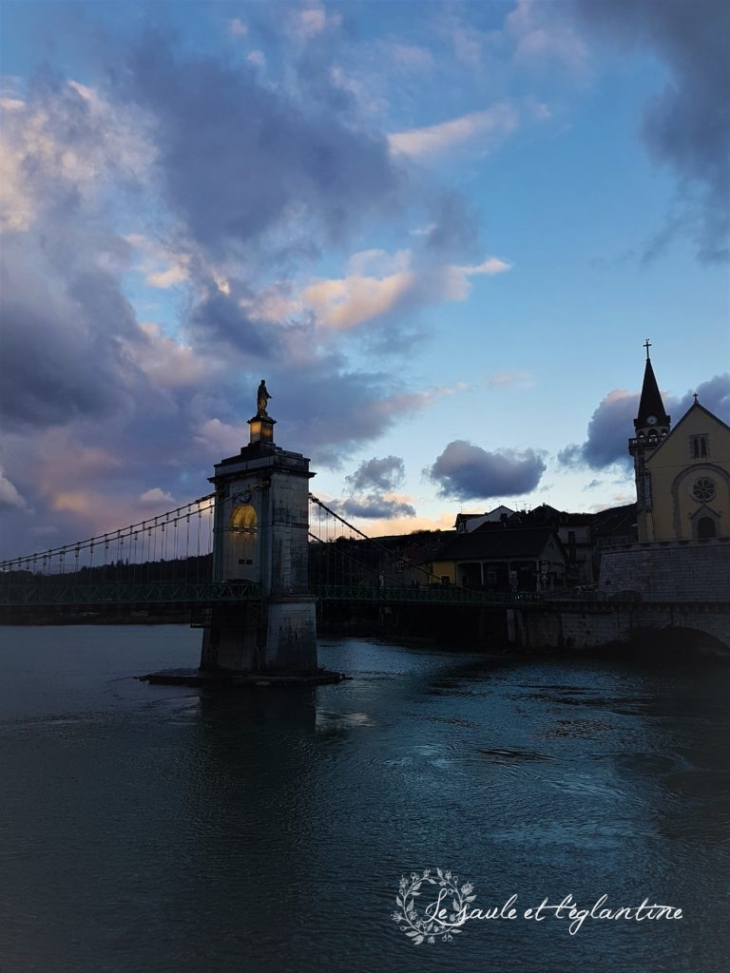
<point x="651" y="428"/>
<point x="651" y="418"/>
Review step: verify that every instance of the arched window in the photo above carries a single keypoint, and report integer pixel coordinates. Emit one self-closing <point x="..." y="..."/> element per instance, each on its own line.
<point x="706" y="528"/>
<point x="244" y="518"/>
<point x="243" y="526"/>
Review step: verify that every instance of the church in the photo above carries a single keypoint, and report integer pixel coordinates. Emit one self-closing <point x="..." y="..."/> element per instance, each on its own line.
<point x="683" y="504"/>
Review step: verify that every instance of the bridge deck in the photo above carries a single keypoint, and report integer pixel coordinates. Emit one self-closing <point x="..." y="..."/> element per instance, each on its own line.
<point x="45" y="593"/>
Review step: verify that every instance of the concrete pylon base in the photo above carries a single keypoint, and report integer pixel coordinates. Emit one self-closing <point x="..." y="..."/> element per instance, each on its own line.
<point x="278" y="636"/>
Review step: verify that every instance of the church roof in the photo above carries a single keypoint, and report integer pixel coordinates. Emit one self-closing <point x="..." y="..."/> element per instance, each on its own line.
<point x="651" y="400"/>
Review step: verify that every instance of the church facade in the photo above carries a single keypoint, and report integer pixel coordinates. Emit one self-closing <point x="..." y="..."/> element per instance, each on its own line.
<point x="682" y="477"/>
<point x="682" y="474"/>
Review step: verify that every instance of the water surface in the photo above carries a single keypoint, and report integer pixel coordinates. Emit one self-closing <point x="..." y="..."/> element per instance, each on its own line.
<point x="169" y="830"/>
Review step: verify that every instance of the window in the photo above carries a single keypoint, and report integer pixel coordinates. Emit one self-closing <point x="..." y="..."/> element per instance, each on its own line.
<point x="703" y="489"/>
<point x="645" y="489"/>
<point x="698" y="447"/>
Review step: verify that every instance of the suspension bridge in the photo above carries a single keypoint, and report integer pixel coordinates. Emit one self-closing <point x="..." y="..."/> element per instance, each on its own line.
<point x="255" y="561"/>
<point x="167" y="560"/>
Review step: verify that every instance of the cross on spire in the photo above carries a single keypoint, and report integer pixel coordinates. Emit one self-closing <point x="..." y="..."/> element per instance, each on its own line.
<point x="647" y="345"/>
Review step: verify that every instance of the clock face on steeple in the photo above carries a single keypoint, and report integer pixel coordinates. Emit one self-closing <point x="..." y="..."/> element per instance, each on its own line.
<point x="651" y="420"/>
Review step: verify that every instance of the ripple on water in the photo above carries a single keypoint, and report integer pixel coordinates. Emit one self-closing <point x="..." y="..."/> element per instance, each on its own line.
<point x="576" y="728"/>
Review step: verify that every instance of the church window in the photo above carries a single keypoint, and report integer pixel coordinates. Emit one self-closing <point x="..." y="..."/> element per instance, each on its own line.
<point x="698" y="447"/>
<point x="645" y="489"/>
<point x="706" y="528"/>
<point x="703" y="489"/>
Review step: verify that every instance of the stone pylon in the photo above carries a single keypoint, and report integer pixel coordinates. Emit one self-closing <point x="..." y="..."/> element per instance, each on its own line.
<point x="261" y="534"/>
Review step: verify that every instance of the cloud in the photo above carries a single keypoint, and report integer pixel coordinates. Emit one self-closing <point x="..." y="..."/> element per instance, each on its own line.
<point x="411" y="57"/>
<point x="9" y="496"/>
<point x="223" y="319"/>
<point x="170" y="364"/>
<point x="345" y="303"/>
<point x="608" y="433"/>
<point x="67" y="150"/>
<point x="221" y="439"/>
<point x="612" y="424"/>
<point x="713" y="394"/>
<point x="491" y="266"/>
<point x="371" y="489"/>
<point x="256" y="58"/>
<point x="543" y="36"/>
<point x="382" y="474"/>
<point x="59" y="345"/>
<point x="687" y="126"/>
<point x="156" y="496"/>
<point x="314" y="19"/>
<point x="331" y="409"/>
<point x="512" y="379"/>
<point x="62" y="143"/>
<point x="489" y="126"/>
<point x="189" y="186"/>
<point x="469" y="472"/>
<point x="239" y="160"/>
<point x="161" y="266"/>
<point x="237" y="28"/>
<point x="374" y="506"/>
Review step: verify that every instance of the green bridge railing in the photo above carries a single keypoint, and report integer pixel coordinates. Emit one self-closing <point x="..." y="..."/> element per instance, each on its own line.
<point x="432" y="595"/>
<point x="71" y="594"/>
<point x="49" y="594"/>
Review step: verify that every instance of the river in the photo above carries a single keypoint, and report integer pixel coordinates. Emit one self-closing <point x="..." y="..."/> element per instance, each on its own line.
<point x="148" y="829"/>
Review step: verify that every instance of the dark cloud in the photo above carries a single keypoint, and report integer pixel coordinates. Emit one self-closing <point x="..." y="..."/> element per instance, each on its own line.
<point x="329" y="409"/>
<point x="367" y="486"/>
<point x="246" y="169"/>
<point x="374" y="507"/>
<point x="219" y="317"/>
<point x="608" y="433"/>
<point x="686" y="126"/>
<point x="612" y="424"/>
<point x="61" y="358"/>
<point x="387" y="473"/>
<point x="65" y="318"/>
<point x="714" y="395"/>
<point x="469" y="472"/>
<point x="238" y="159"/>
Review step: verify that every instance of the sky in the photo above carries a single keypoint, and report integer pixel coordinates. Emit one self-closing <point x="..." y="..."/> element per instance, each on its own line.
<point x="440" y="231"/>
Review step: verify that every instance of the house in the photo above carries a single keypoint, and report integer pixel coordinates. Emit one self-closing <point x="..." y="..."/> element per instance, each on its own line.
<point x="466" y="523"/>
<point x="497" y="558"/>
<point x="574" y="531"/>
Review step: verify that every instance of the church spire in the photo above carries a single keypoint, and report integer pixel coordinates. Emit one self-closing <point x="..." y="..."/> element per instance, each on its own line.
<point x="651" y="408"/>
<point x="651" y="428"/>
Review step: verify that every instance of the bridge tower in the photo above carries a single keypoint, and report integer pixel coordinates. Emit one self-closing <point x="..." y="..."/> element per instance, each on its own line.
<point x="261" y="534"/>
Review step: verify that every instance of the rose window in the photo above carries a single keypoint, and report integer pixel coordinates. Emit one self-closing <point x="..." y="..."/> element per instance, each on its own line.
<point x="703" y="489"/>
